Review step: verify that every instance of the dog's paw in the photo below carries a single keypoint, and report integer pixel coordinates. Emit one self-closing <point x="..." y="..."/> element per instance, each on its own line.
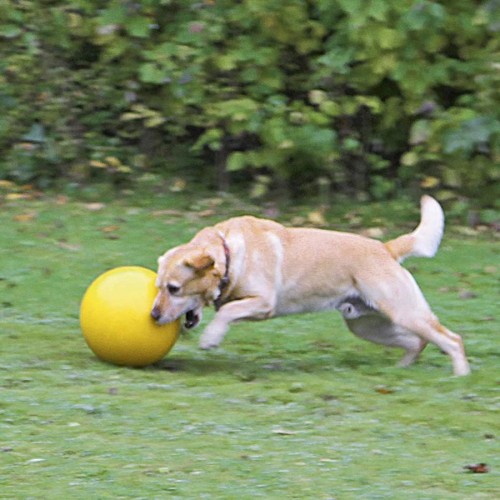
<point x="207" y="345"/>
<point x="212" y="335"/>
<point x="208" y="342"/>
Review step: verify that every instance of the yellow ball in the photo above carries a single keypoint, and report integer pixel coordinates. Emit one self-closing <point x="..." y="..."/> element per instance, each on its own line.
<point x="115" y="318"/>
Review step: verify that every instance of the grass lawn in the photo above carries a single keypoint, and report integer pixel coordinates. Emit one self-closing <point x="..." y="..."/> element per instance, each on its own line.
<point x="294" y="407"/>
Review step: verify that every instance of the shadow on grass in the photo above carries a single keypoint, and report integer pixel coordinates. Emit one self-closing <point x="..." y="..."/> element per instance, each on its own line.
<point x="241" y="364"/>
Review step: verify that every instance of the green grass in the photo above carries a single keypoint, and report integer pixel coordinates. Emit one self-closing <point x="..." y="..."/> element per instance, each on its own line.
<point x="289" y="408"/>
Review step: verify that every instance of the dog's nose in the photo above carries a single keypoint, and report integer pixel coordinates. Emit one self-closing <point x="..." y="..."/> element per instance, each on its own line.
<point x="156" y="314"/>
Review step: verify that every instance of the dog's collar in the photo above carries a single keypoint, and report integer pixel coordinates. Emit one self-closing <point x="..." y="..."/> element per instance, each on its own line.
<point x="225" y="279"/>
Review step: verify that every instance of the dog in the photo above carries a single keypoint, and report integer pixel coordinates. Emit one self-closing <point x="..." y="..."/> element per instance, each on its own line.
<point x="254" y="269"/>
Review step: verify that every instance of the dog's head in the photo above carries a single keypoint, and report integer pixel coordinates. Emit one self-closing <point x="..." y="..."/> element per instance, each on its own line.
<point x="188" y="278"/>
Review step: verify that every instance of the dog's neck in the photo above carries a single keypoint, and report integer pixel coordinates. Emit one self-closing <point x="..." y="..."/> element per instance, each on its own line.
<point x="224" y="282"/>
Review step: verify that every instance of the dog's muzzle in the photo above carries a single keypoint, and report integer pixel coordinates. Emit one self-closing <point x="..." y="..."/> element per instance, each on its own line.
<point x="156" y="313"/>
<point x="192" y="318"/>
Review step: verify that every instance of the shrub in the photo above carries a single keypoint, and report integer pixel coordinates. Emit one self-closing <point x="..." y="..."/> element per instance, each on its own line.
<point x="366" y="95"/>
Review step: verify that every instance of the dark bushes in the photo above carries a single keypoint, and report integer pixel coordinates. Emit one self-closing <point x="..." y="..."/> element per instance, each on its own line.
<point x="368" y="96"/>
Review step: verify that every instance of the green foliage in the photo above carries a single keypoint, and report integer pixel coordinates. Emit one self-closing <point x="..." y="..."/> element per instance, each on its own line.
<point x="373" y="95"/>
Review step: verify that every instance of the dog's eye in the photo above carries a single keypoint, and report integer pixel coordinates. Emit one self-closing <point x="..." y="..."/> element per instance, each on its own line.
<point x="173" y="289"/>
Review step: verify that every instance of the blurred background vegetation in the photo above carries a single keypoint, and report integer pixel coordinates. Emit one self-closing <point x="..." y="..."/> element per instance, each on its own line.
<point x="361" y="98"/>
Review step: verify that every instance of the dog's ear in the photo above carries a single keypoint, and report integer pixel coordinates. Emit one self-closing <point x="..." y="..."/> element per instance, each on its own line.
<point x="199" y="262"/>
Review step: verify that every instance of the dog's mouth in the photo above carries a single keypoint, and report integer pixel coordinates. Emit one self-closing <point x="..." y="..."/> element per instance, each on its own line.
<point x="192" y="319"/>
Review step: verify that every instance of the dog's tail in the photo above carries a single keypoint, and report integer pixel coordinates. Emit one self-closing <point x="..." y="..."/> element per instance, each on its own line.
<point x="424" y="240"/>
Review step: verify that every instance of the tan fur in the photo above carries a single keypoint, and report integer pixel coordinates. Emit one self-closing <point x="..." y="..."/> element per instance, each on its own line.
<point x="400" y="246"/>
<point x="275" y="270"/>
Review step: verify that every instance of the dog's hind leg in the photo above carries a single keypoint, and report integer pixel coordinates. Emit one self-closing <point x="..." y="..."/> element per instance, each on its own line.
<point x="412" y="353"/>
<point x="429" y="329"/>
<point x="401" y="301"/>
<point x="369" y="324"/>
<point x="453" y="346"/>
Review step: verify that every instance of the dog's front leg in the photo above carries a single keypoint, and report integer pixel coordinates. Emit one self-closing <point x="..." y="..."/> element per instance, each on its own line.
<point x="249" y="308"/>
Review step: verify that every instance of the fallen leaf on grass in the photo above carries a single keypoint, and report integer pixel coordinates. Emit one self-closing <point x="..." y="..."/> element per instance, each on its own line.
<point x="490" y="269"/>
<point x="466" y="231"/>
<point x="283" y="432"/>
<point x="111" y="232"/>
<point x="61" y="199"/>
<point x="467" y="294"/>
<point x="430" y="182"/>
<point x="6" y="184"/>
<point x="178" y="186"/>
<point x="94" y="207"/>
<point x="373" y="232"/>
<point x="298" y="220"/>
<point x="384" y="390"/>
<point x="17" y="196"/>
<point x="480" y="468"/>
<point x="206" y="213"/>
<point x="68" y="246"/>
<point x="317" y="218"/>
<point x="488" y="318"/>
<point x="354" y="219"/>
<point x="110" y="229"/>
<point x="26" y="217"/>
